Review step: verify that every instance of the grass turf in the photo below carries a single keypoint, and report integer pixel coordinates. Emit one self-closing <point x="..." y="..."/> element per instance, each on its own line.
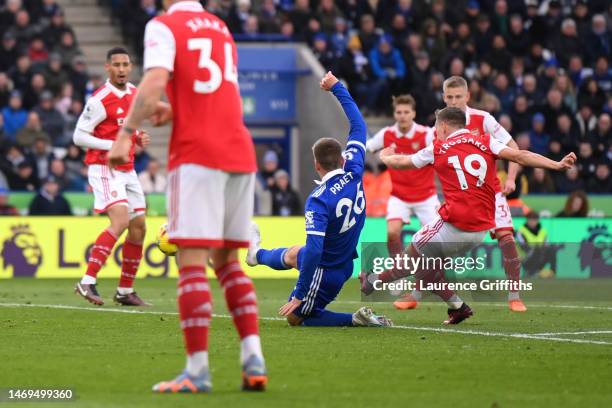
<point x="112" y="359"/>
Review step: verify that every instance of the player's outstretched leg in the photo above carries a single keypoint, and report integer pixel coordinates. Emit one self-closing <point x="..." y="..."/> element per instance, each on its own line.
<point x="242" y="304"/>
<point x="512" y="267"/>
<point x="364" y="316"/>
<point x="272" y="258"/>
<point x="131" y="255"/>
<point x="100" y="251"/>
<point x="195" y="310"/>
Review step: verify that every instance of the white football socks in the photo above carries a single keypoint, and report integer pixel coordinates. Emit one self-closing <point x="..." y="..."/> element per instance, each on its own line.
<point x="197" y="363"/>
<point x="248" y="346"/>
<point x="88" y="280"/>
<point x="125" y="291"/>
<point x="454" y="302"/>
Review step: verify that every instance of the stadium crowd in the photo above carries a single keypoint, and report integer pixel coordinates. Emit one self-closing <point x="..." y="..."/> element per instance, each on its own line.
<point x="542" y="67"/>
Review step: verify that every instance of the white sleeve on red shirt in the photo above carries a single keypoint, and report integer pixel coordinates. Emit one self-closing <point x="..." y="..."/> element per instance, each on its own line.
<point x="377" y="141"/>
<point x="93" y="114"/>
<point x="496" y="146"/>
<point x="492" y="127"/>
<point x="159" y="46"/>
<point x="429" y="138"/>
<point x="423" y="157"/>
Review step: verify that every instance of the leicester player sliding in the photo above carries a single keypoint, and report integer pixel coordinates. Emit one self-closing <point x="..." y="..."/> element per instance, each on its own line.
<point x="335" y="214"/>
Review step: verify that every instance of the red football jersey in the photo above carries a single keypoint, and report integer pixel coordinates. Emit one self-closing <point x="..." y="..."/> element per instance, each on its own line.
<point x="103" y="116"/>
<point x="480" y="122"/>
<point x="465" y="164"/>
<point x="199" y="50"/>
<point x="407" y="185"/>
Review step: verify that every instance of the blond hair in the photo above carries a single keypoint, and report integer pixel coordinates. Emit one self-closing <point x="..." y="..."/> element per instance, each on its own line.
<point x="455" y="82"/>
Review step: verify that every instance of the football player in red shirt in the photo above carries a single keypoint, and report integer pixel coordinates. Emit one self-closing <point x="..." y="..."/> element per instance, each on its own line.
<point x="191" y="54"/>
<point x="412" y="191"/>
<point x="116" y="192"/>
<point x="465" y="164"/>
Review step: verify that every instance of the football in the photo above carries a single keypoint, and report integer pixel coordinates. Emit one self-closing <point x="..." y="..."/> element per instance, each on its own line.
<point x="162" y="242"/>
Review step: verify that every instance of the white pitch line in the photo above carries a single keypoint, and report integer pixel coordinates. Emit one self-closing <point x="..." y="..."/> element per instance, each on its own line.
<point x="579" y="332"/>
<point x="416" y="328"/>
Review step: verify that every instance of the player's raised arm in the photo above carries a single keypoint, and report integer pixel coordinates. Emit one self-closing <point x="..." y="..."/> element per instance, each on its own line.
<point x="356" y="145"/>
<point x="407" y="161"/>
<point x="530" y="159"/>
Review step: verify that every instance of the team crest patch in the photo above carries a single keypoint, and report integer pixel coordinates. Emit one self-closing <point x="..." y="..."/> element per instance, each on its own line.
<point x="114" y="194"/>
<point x="309" y="215"/>
<point x="475" y="132"/>
<point x="416" y="145"/>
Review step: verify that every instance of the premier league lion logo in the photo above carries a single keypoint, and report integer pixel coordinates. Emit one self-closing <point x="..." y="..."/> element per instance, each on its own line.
<point x="596" y="252"/>
<point x="22" y="252"/>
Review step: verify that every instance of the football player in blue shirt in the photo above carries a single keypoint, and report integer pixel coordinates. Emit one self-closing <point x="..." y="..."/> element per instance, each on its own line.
<point x="335" y="214"/>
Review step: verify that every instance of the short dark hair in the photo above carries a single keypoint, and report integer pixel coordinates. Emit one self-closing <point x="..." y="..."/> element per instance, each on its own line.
<point x="453" y="117"/>
<point x="404" y="100"/>
<point x="115" y="51"/>
<point x="328" y="153"/>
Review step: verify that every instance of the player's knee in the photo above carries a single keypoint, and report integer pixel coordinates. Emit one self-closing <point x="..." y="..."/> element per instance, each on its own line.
<point x="503" y="234"/>
<point x="394" y="235"/>
<point x="294" y="320"/>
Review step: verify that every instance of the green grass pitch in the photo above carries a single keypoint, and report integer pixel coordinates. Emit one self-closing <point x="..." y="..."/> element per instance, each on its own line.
<point x="555" y="355"/>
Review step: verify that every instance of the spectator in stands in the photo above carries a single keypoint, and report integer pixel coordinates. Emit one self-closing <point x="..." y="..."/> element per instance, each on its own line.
<point x="31" y="132"/>
<point x="21" y="73"/>
<point x="327" y="13"/>
<point x="567" y="43"/>
<point x="251" y="27"/>
<point x="419" y="75"/>
<point x="5" y="89"/>
<point x="14" y="116"/>
<point x="586" y="120"/>
<point x="339" y="38"/>
<point x="76" y="171"/>
<point x="57" y="169"/>
<point x="31" y="97"/>
<point x="67" y="48"/>
<point x="388" y="69"/>
<point x="483" y="36"/>
<point x="270" y="166"/>
<point x="24" y="179"/>
<point x="552" y="109"/>
<point x="567" y="134"/>
<point x="3" y="140"/>
<point x="368" y="35"/>
<point x="64" y="100"/>
<point x="603" y="74"/>
<point x="599" y="40"/>
<point x="601" y="182"/>
<point x="462" y="43"/>
<point x="285" y="200"/>
<point x="499" y="57"/>
<point x="569" y="181"/>
<point x="538" y="136"/>
<point x="531" y="91"/>
<point x="576" y="205"/>
<point x="139" y="18"/>
<point x="586" y="162"/>
<point x="37" y="51"/>
<point x="591" y="95"/>
<point x="517" y="39"/>
<point x="24" y="30"/>
<point x="564" y="84"/>
<point x="299" y="16"/>
<point x="7" y="14"/>
<point x="52" y="34"/>
<point x="50" y="201"/>
<point x="8" y="52"/>
<point x="601" y="137"/>
<point x="354" y="68"/>
<point x="72" y="116"/>
<point x="540" y="182"/>
<point x="434" y="41"/>
<point x="268" y="17"/>
<point x="323" y="52"/>
<point x="52" y="121"/>
<point x="48" y="10"/>
<point x="41" y="156"/>
<point x="502" y="90"/>
<point x="152" y="180"/>
<point x="55" y="75"/>
<point x="5" y="207"/>
<point x="520" y="115"/>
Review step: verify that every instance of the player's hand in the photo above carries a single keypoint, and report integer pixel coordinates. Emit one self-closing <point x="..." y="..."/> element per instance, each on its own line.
<point x="328" y="81"/>
<point x="509" y="186"/>
<point x="289" y="307"/>
<point x="143" y="138"/>
<point x="120" y="150"/>
<point x="567" y="162"/>
<point x="163" y="114"/>
<point x="386" y="152"/>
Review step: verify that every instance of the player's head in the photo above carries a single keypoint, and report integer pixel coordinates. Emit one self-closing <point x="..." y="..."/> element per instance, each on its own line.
<point x="455" y="92"/>
<point x="327" y="155"/>
<point x="118" y="66"/>
<point x="449" y="120"/>
<point x="404" y="110"/>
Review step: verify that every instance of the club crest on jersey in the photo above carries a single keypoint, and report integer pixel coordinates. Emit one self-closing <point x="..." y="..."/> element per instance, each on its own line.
<point x="475" y="132"/>
<point x="416" y="145"/>
<point x="114" y="194"/>
<point x="120" y="121"/>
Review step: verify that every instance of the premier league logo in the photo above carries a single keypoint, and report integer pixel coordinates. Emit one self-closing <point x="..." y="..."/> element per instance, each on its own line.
<point x="22" y="252"/>
<point x="596" y="252"/>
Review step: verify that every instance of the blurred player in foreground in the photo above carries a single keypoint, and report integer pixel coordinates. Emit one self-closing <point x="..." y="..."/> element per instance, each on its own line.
<point x="465" y="164"/>
<point x="413" y="191"/>
<point x="211" y="163"/>
<point x="116" y="192"/>
<point x="335" y="214"/>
